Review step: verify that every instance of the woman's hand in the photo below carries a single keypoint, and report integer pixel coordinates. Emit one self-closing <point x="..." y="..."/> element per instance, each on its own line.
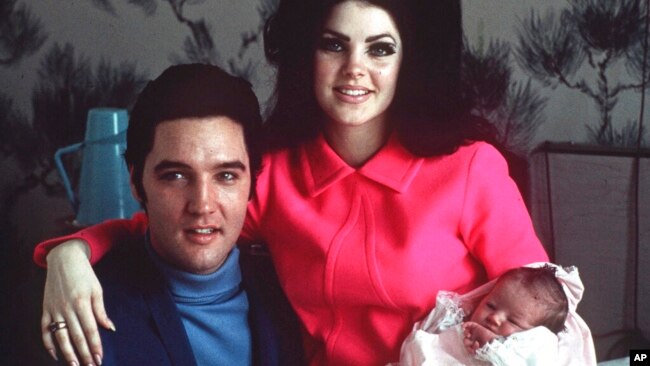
<point x="73" y="296"/>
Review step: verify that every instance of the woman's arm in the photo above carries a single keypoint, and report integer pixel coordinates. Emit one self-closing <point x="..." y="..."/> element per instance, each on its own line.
<point x="495" y="225"/>
<point x="100" y="238"/>
<point x="73" y="293"/>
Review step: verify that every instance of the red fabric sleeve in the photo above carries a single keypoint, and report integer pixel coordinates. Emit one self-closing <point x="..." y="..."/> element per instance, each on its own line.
<point x="100" y="237"/>
<point x="496" y="225"/>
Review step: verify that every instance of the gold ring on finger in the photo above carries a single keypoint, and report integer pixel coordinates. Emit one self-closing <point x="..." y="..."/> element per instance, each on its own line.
<point x="54" y="326"/>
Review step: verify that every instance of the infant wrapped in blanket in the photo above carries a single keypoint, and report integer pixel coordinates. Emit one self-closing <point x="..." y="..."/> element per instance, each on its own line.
<point x="525" y="317"/>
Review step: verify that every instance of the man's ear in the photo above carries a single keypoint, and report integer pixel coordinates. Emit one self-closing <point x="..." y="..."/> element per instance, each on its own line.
<point x="134" y="191"/>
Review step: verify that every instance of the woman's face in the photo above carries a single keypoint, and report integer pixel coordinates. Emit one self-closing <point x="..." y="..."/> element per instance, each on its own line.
<point x="356" y="64"/>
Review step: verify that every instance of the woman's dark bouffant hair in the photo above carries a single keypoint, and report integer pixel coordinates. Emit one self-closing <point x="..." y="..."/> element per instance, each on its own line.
<point x="431" y="116"/>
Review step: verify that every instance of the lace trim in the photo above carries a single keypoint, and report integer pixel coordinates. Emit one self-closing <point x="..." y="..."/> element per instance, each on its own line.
<point x="447" y="313"/>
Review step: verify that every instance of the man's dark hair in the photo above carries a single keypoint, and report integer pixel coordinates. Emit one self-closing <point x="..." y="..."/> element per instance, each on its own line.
<point x="542" y="283"/>
<point x="192" y="91"/>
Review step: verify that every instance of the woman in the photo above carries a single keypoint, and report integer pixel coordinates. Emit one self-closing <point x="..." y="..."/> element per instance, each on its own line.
<point x="373" y="195"/>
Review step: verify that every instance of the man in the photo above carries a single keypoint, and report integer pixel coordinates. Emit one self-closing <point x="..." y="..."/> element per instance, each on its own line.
<point x="177" y="295"/>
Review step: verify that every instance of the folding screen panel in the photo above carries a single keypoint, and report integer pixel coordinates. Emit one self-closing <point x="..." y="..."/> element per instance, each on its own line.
<point x="587" y="206"/>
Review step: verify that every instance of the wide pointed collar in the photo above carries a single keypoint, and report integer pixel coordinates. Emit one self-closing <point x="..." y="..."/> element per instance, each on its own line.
<point x="393" y="166"/>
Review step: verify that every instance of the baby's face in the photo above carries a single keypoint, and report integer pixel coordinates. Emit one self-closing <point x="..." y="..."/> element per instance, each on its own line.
<point x="507" y="309"/>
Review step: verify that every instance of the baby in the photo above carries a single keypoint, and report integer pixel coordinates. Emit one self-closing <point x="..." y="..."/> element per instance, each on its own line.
<point x="515" y="323"/>
<point x="522" y="299"/>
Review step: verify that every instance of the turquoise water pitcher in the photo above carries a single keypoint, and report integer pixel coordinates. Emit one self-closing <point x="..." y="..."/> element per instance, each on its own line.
<point x="103" y="191"/>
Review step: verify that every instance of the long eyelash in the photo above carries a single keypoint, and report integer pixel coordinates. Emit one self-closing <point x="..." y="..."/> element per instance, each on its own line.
<point x="386" y="47"/>
<point x="390" y="46"/>
<point x="326" y="43"/>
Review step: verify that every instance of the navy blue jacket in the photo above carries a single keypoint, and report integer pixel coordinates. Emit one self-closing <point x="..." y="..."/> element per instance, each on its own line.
<point x="150" y="331"/>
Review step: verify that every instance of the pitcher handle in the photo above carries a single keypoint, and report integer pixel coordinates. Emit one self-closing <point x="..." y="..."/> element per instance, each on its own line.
<point x="74" y="201"/>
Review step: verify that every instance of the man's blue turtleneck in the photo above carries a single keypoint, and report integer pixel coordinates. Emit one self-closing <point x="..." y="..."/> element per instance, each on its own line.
<point x="213" y="309"/>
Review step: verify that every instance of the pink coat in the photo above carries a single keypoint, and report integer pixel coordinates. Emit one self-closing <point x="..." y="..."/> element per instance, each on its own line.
<point x="361" y="254"/>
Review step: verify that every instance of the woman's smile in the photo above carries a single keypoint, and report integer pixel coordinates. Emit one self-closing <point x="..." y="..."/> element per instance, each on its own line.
<point x="352" y="94"/>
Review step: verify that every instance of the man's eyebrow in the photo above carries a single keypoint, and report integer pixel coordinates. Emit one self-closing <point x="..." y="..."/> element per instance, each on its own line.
<point x="368" y="39"/>
<point x="171" y="164"/>
<point x="235" y="164"/>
